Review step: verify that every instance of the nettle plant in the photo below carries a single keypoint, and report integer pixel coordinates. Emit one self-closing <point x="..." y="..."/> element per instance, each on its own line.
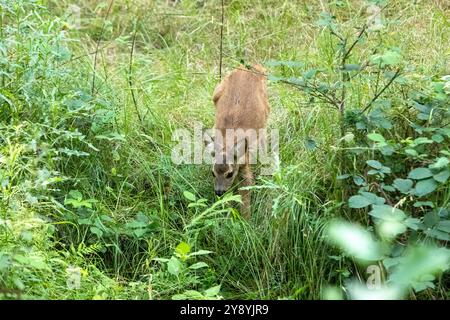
<point x="189" y="278"/>
<point x="394" y="152"/>
<point x="188" y="273"/>
<point x="405" y="187"/>
<point x="94" y="226"/>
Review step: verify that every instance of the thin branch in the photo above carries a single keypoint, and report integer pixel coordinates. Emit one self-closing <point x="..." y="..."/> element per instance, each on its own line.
<point x="395" y="76"/>
<point x="348" y="52"/>
<point x="85" y="55"/>
<point x="221" y="43"/>
<point x="130" y="72"/>
<point x="334" y="33"/>
<point x="98" y="45"/>
<point x="316" y="93"/>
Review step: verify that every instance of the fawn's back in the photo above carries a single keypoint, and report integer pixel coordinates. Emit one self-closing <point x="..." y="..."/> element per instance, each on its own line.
<point x="241" y="100"/>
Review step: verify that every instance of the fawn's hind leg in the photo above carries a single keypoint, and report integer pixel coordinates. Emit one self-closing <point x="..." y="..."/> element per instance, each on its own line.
<point x="247" y="175"/>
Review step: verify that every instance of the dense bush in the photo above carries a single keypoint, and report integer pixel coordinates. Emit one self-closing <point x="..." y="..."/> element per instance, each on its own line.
<point x="88" y="188"/>
<point x="394" y="150"/>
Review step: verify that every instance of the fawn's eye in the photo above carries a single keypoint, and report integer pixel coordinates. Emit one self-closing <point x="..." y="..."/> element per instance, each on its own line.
<point x="229" y="175"/>
<point x="214" y="175"/>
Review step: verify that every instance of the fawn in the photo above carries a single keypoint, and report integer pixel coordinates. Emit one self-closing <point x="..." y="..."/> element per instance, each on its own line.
<point x="242" y="108"/>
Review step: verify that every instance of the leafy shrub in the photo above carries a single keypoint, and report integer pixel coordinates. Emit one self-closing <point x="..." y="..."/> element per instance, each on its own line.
<point x="394" y="151"/>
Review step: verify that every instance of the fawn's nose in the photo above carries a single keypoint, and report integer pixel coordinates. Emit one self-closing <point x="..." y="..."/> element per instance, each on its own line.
<point x="219" y="192"/>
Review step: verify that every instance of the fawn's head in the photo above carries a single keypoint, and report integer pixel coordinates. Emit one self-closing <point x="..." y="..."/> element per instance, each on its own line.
<point x="224" y="175"/>
<point x="225" y="168"/>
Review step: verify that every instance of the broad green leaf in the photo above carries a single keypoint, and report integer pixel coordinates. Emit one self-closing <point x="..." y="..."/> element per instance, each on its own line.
<point x="352" y="67"/>
<point x="358" y="202"/>
<point x="389" y="57"/>
<point x="359" y="181"/>
<point x="106" y="218"/>
<point x="438" y="234"/>
<point x="422" y="285"/>
<point x="75" y="194"/>
<point x="423" y="204"/>
<point x="385" y="169"/>
<point x="26" y="235"/>
<point x="424" y="187"/>
<point x="309" y="74"/>
<point x="85" y="221"/>
<point x="442" y="176"/>
<point x="378" y="118"/>
<point x="188" y="195"/>
<point x="32" y="261"/>
<point x="96" y="231"/>
<point x="198" y="265"/>
<point x="386" y="212"/>
<point x="5" y="261"/>
<point x="403" y="185"/>
<point x="422" y="108"/>
<point x="440" y="163"/>
<point x="325" y="20"/>
<point x="420" y="173"/>
<point x="273" y="78"/>
<point x="296" y="81"/>
<point x="412" y="223"/>
<point x="444" y="225"/>
<point x="139" y="232"/>
<point x="376" y="137"/>
<point x="310" y="144"/>
<point x="388" y="188"/>
<point x="213" y="291"/>
<point x="437" y="138"/>
<point x="174" y="266"/>
<point x="374" y="164"/>
<point x="422" y="140"/>
<point x="390" y="262"/>
<point x="411" y="152"/>
<point x="37" y="262"/>
<point x="373" y="198"/>
<point x="431" y="219"/>
<point x="135" y="224"/>
<point x="293" y="64"/>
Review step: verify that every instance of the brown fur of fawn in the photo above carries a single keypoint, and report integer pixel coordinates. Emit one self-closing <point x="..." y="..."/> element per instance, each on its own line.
<point x="241" y="103"/>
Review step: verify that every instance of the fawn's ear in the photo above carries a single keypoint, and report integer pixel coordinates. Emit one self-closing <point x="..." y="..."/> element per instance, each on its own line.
<point x="220" y="89"/>
<point x="259" y="68"/>
<point x="240" y="151"/>
<point x="217" y="92"/>
<point x="209" y="146"/>
<point x="208" y="137"/>
<point x="212" y="147"/>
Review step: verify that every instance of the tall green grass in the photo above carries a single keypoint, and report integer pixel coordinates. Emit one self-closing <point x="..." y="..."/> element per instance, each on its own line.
<point x="279" y="252"/>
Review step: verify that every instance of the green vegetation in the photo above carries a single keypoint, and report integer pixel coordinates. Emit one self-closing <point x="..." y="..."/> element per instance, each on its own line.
<point x="87" y="111"/>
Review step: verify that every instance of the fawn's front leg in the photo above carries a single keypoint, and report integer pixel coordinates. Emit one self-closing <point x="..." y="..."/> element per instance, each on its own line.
<point x="245" y="194"/>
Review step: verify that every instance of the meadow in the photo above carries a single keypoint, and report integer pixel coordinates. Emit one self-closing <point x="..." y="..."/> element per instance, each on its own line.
<point x="93" y="207"/>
